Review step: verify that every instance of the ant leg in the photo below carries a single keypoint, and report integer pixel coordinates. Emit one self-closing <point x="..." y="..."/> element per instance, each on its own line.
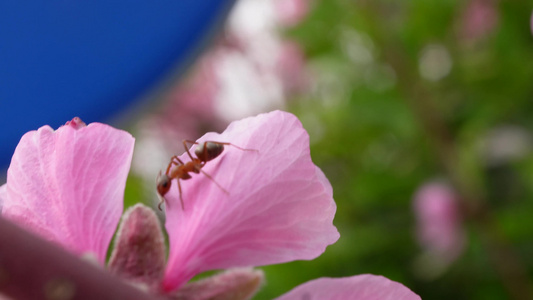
<point x="187" y="148"/>
<point x="212" y="179"/>
<point x="185" y="142"/>
<point x="174" y="160"/>
<point x="208" y="156"/>
<point x="225" y="144"/>
<point x="233" y="145"/>
<point x="168" y="168"/>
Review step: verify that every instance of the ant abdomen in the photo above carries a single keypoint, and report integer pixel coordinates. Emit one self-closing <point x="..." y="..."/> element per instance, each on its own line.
<point x="208" y="150"/>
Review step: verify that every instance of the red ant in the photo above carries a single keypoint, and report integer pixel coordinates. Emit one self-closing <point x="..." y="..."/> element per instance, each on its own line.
<point x="205" y="152"/>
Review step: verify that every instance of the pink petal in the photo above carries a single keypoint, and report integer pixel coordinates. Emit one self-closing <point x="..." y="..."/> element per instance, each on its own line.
<point x="360" y="287"/>
<point x="68" y="185"/>
<point x="279" y="205"/>
<point x="234" y="284"/>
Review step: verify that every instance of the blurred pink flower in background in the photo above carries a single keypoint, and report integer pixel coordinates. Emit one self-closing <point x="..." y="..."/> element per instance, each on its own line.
<point x="531" y="23"/>
<point x="291" y="12"/>
<point x="291" y="68"/>
<point x="193" y="102"/>
<point x="250" y="67"/>
<point x="479" y="19"/>
<point x="249" y="70"/>
<point x="439" y="227"/>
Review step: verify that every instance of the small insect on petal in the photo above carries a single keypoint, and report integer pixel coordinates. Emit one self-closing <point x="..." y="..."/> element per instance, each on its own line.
<point x="177" y="169"/>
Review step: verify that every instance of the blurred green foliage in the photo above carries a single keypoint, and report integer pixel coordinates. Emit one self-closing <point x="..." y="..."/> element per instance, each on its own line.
<point x="378" y="128"/>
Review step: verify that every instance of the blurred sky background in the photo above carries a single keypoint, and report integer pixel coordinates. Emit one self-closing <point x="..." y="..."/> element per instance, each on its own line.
<point x="419" y="113"/>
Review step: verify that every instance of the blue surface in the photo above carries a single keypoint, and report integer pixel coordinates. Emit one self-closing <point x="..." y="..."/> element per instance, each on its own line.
<point x="92" y="58"/>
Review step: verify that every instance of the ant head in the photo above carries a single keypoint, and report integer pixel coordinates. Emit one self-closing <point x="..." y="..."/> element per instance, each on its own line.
<point x="208" y="151"/>
<point x="163" y="184"/>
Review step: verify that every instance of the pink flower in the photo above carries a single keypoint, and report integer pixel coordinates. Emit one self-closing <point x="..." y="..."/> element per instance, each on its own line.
<point x="479" y="19"/>
<point x="291" y="68"/>
<point x="291" y="12"/>
<point x="361" y="287"/>
<point x="531" y="23"/>
<point x="67" y="186"/>
<point x="439" y="223"/>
